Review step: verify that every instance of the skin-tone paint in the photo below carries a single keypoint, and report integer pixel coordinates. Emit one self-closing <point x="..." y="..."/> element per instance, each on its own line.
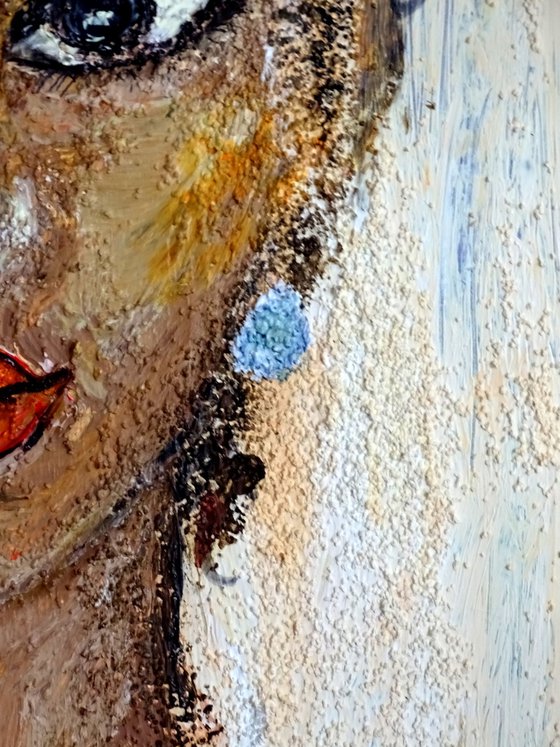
<point x="145" y="200"/>
<point x="149" y="189"/>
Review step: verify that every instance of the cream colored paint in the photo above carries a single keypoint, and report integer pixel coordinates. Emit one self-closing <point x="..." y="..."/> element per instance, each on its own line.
<point x="170" y="16"/>
<point x="19" y="227"/>
<point x="398" y="576"/>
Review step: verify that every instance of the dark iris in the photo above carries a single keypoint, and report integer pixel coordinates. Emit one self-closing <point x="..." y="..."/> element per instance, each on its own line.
<point x="99" y="25"/>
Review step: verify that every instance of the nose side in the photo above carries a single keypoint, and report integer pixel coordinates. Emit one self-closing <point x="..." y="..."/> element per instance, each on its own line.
<point x="18" y="203"/>
<point x="37" y="211"/>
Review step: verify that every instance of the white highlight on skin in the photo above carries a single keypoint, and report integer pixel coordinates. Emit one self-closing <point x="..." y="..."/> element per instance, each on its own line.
<point x="18" y="221"/>
<point x="171" y="15"/>
<point x="24" y="219"/>
<point x="45" y="42"/>
<point x="268" y="67"/>
<point x="47" y="364"/>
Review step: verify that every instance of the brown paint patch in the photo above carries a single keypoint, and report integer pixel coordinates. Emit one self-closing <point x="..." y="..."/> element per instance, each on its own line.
<point x="380" y="66"/>
<point x="93" y="654"/>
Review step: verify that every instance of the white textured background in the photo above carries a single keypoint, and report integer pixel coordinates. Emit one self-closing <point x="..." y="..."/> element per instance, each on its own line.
<point x="399" y="571"/>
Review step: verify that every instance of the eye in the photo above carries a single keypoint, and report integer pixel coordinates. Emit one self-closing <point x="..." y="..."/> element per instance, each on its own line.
<point x="79" y="33"/>
<point x="90" y="34"/>
<point x="101" y="25"/>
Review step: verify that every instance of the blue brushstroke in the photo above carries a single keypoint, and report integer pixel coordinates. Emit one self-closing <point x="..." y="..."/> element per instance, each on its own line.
<point x="274" y="336"/>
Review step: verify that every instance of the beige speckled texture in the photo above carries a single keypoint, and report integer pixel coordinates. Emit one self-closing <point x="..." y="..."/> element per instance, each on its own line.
<point x="398" y="573"/>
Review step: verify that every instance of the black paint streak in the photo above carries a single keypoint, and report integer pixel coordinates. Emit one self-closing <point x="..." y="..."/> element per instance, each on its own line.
<point x="406" y="7"/>
<point x="35" y="385"/>
<point x="209" y="473"/>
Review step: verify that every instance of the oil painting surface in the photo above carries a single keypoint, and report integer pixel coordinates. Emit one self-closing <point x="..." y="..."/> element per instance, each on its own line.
<point x="279" y="393"/>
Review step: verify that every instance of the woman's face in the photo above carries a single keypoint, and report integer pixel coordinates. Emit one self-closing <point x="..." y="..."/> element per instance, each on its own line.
<point x="131" y="199"/>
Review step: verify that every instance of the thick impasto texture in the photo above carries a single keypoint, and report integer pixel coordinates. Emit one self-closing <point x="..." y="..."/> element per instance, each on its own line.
<point x="170" y="177"/>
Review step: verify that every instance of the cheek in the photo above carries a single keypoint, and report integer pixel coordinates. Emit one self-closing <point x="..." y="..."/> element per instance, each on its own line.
<point x="216" y="211"/>
<point x="37" y="243"/>
<point x="165" y="220"/>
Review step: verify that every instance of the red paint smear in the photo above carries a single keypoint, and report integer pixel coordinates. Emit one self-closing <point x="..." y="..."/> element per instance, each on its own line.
<point x="12" y="372"/>
<point x="15" y="555"/>
<point x="20" y="417"/>
<point x="24" y="414"/>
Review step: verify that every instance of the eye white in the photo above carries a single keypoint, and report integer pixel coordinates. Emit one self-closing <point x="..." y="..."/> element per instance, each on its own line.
<point x="170" y="16"/>
<point x="45" y="42"/>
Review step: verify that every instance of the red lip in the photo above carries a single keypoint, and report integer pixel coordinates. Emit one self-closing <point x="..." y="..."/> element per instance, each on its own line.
<point x="27" y="402"/>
